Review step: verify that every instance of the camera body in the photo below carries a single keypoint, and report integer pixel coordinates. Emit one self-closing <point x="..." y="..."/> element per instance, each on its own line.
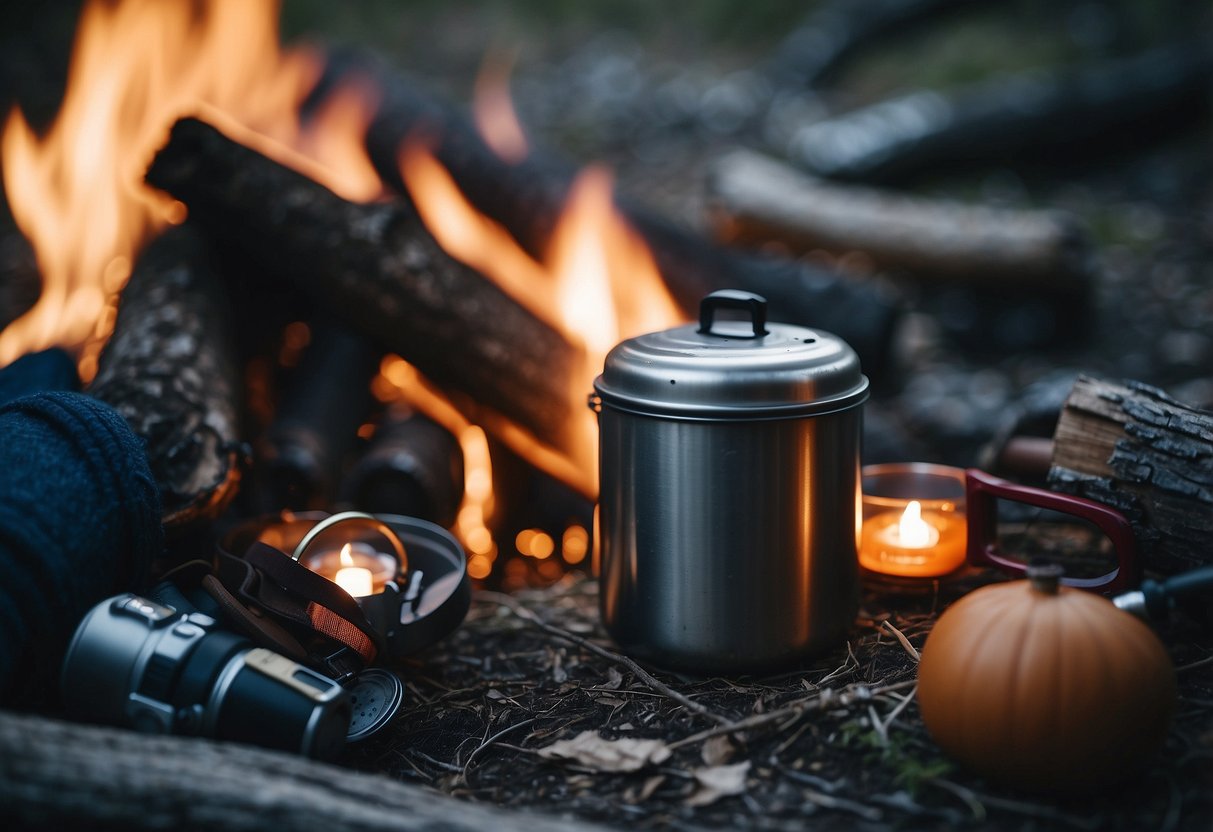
<point x="143" y="665"/>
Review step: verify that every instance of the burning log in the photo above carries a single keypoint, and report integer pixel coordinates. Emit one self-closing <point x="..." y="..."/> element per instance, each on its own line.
<point x="169" y="369"/>
<point x="317" y="421"/>
<point x="414" y="466"/>
<point x="1148" y="456"/>
<point x="527" y="198"/>
<point x="757" y="199"/>
<point x="377" y="267"/>
<point x="62" y="775"/>
<point x="1003" y="120"/>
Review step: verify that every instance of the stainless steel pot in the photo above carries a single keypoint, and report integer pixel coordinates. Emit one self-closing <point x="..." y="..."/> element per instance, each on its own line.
<point x="728" y="508"/>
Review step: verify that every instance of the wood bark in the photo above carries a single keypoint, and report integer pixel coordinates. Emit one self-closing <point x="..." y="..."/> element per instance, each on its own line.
<point x="377" y="267"/>
<point x="169" y="368"/>
<point x="1148" y="456"/>
<point x="756" y="199"/>
<point x="62" y="775"/>
<point x="1010" y="119"/>
<point x="526" y="199"/>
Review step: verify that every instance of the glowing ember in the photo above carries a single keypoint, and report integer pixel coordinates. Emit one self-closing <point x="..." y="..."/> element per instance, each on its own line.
<point x="136" y="67"/>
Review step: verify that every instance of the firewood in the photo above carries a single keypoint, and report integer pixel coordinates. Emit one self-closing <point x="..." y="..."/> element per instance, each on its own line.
<point x="526" y="199"/>
<point x="1009" y="119"/>
<point x="377" y="267"/>
<point x="61" y="775"/>
<point x="756" y="199"/>
<point x="169" y="369"/>
<point x="316" y="423"/>
<point x="413" y="466"/>
<point x="836" y="30"/>
<point x="1148" y="456"/>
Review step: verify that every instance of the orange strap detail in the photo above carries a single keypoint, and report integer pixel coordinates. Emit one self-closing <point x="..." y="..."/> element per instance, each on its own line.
<point x="339" y="629"/>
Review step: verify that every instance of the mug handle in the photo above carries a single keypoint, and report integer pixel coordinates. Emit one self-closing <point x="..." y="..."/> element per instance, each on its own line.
<point x="981" y="493"/>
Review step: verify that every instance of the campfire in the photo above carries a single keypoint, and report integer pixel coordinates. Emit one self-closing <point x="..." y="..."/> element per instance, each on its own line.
<point x="359" y="334"/>
<point x="138" y="67"/>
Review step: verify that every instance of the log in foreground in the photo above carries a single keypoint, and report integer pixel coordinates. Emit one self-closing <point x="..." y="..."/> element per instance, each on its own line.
<point x="756" y="199"/>
<point x="527" y="198"/>
<point x="169" y="368"/>
<point x="62" y="775"/>
<point x="377" y="267"/>
<point x="1148" y="456"/>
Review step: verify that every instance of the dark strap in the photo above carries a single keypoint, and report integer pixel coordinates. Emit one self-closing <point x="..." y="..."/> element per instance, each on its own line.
<point x="312" y="600"/>
<point x="262" y="630"/>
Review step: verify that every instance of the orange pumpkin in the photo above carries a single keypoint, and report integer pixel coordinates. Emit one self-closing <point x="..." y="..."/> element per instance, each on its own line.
<point x="1044" y="687"/>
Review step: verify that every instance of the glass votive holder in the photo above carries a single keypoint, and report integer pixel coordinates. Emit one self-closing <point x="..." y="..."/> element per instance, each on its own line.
<point x="913" y="519"/>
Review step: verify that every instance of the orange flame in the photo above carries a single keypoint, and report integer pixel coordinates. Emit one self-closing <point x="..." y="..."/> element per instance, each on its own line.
<point x="598" y="285"/>
<point x="493" y="108"/>
<point x="136" y="67"/>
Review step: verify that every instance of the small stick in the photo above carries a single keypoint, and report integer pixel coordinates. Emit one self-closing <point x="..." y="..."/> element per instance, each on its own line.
<point x="803" y="706"/>
<point x="646" y="677"/>
<point x="905" y="642"/>
<point x="896" y="712"/>
<point x="878" y="726"/>
<point x="1195" y="664"/>
<point x="464" y="773"/>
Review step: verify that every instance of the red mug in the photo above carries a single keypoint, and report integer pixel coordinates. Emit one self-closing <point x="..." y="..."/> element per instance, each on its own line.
<point x="981" y="492"/>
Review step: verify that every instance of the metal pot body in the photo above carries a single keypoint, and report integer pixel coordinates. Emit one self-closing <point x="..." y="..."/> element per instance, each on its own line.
<point x="729" y="490"/>
<point x="728" y="545"/>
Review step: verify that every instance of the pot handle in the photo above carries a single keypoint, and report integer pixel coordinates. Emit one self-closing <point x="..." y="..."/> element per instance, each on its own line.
<point x="756" y="305"/>
<point x="981" y="491"/>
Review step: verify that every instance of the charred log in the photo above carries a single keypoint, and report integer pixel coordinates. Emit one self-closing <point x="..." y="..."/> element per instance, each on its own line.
<point x="1148" y="456"/>
<point x="378" y="268"/>
<point x="414" y="466"/>
<point x="756" y="199"/>
<point x="527" y="198"/>
<point x="169" y="370"/>
<point x="1037" y="115"/>
<point x="317" y="421"/>
<point x="63" y="775"/>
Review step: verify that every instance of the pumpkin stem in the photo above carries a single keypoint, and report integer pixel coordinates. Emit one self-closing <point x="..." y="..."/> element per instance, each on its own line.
<point x="1045" y="577"/>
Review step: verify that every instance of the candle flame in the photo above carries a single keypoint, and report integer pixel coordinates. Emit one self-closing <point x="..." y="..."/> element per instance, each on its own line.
<point x="915" y="532"/>
<point x="347" y="559"/>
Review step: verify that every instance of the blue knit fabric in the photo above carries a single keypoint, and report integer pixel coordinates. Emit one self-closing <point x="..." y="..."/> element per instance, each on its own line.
<point x="79" y="521"/>
<point x="38" y="372"/>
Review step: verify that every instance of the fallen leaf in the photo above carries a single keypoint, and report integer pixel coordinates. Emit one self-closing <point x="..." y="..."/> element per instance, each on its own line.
<point x="592" y="751"/>
<point x="610" y="701"/>
<point x="614" y="679"/>
<point x="716" y="782"/>
<point x="717" y="750"/>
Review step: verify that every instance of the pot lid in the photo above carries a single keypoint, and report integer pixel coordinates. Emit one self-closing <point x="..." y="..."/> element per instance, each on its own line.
<point x="746" y="369"/>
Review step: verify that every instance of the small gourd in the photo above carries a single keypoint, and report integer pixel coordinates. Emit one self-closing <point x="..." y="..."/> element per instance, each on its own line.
<point x="1044" y="687"/>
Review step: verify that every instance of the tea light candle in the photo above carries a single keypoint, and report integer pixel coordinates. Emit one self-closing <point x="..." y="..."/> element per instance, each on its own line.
<point x="913" y="520"/>
<point x="913" y="542"/>
<point x="357" y="568"/>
